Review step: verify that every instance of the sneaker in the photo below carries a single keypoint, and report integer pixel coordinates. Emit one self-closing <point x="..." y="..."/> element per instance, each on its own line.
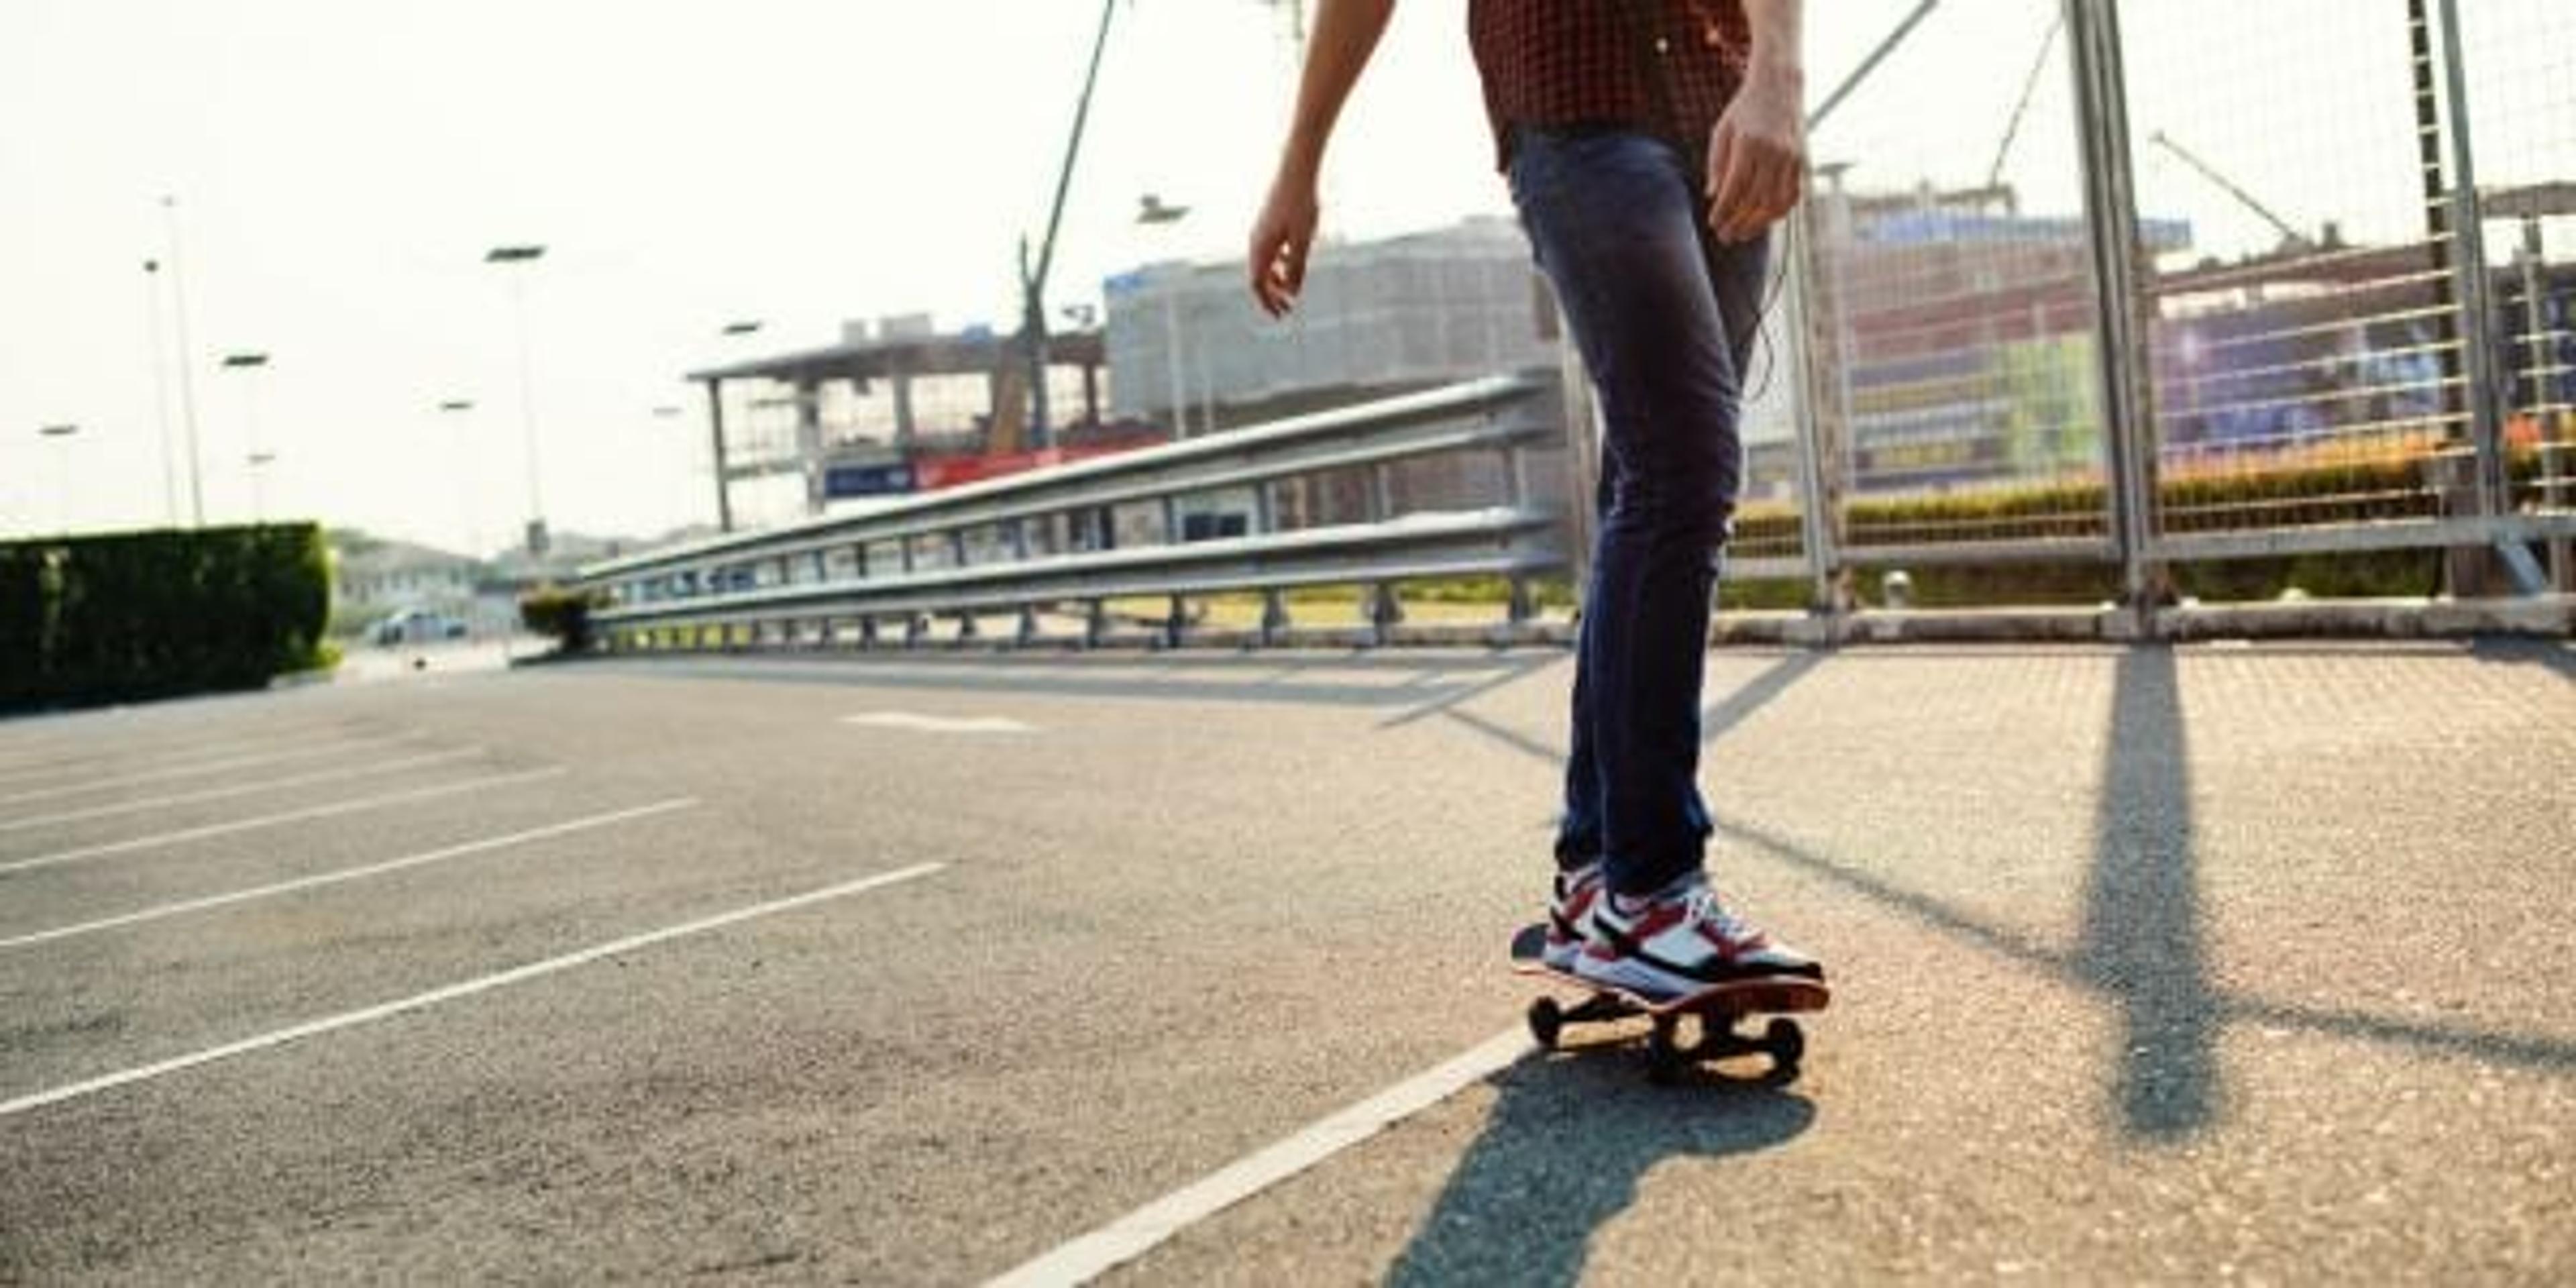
<point x="1569" y="915"/>
<point x="1679" y="940"/>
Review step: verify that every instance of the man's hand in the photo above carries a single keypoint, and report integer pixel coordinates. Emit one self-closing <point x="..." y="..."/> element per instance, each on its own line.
<point x="1757" y="158"/>
<point x="1280" y="239"/>
<point x="1345" y="34"/>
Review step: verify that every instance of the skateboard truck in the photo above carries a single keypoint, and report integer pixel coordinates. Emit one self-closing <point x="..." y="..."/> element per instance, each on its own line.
<point x="1716" y="1011"/>
<point x="1717" y="1038"/>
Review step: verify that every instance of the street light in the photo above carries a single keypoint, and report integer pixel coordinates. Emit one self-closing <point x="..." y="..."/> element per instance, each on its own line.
<point x="1152" y="213"/>
<point x="249" y="362"/>
<point x="745" y="327"/>
<point x="526" y="254"/>
<point x="187" y="370"/>
<point x="259" y="463"/>
<point x="161" y="393"/>
<point x="62" y="436"/>
<point x="466" y="526"/>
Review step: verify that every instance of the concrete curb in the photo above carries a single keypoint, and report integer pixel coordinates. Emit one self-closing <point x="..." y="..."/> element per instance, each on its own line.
<point x="2545" y="617"/>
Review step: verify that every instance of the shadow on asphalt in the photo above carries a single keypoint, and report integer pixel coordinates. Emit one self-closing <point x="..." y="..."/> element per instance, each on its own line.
<point x="2511" y="652"/>
<point x="1448" y="703"/>
<point x="1720" y="719"/>
<point x="1562" y="1154"/>
<point x="1246" y="678"/>
<point x="1759" y="692"/>
<point x="2142" y="921"/>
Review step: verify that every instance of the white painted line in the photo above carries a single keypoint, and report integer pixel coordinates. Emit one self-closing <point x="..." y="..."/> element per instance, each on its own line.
<point x="190" y="770"/>
<point x="77" y="750"/>
<point x="911" y="722"/>
<point x="238" y="789"/>
<point x="1131" y="1236"/>
<point x="348" y="874"/>
<point x="273" y="820"/>
<point x="418" y="1001"/>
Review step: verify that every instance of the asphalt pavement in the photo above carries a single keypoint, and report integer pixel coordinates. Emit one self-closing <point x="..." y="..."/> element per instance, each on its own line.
<point x="2151" y="965"/>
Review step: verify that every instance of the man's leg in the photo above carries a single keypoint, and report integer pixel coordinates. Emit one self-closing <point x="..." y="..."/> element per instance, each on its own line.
<point x="1578" y="833"/>
<point x="1615" y="221"/>
<point x="1664" y="319"/>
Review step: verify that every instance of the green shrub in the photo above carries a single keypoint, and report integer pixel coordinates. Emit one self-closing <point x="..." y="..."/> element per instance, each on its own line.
<point x="561" y="613"/>
<point x="134" y="616"/>
<point x="2336" y="485"/>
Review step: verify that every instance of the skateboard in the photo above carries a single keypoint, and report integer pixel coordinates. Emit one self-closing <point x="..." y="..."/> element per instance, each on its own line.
<point x="1718" y="1009"/>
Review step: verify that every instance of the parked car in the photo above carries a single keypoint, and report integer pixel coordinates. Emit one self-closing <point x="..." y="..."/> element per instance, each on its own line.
<point x="418" y="626"/>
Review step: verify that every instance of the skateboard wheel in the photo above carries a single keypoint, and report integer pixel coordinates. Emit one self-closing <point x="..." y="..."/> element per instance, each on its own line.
<point x="1787" y="1041"/>
<point x="1546" y="1021"/>
<point x="1663" y="1054"/>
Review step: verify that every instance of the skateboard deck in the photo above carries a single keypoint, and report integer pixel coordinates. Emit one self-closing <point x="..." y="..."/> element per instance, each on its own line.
<point x="1717" y="1009"/>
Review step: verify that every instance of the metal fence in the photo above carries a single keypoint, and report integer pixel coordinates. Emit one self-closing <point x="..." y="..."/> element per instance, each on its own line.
<point x="1054" y="554"/>
<point x="2196" y="281"/>
<point x="2208" y="280"/>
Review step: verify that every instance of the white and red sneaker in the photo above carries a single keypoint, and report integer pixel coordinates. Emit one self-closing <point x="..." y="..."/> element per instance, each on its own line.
<point x="1679" y="940"/>
<point x="1569" y="915"/>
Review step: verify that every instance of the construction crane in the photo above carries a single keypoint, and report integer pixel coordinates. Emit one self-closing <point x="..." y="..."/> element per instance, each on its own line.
<point x="2291" y="238"/>
<point x="2021" y="108"/>
<point x="1033" y="276"/>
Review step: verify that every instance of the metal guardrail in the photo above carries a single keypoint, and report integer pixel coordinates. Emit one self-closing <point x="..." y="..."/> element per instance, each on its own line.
<point x="2101" y="364"/>
<point x="818" y="582"/>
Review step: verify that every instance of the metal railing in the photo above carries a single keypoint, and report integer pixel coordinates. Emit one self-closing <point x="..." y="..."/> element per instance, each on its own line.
<point x="2169" y="299"/>
<point x="1075" y="540"/>
<point x="2157" y="300"/>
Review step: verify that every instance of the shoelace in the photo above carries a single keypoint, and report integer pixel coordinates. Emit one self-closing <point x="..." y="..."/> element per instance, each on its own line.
<point x="1706" y="907"/>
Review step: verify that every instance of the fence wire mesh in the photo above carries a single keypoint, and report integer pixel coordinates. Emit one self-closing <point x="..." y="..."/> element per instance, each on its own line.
<point x="2307" y="320"/>
<point x="2519" y="57"/>
<point x="1951" y="310"/>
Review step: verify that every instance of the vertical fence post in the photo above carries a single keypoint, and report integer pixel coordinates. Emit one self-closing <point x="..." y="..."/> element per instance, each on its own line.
<point x="2111" y="222"/>
<point x="1274" y="616"/>
<point x="2473" y="291"/>
<point x="1819" y="492"/>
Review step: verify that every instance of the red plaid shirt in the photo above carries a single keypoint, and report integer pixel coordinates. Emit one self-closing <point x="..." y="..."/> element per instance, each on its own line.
<point x="1578" y="62"/>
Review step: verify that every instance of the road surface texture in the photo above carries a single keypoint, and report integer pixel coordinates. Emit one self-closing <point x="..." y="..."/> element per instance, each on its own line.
<point x="2153" y="964"/>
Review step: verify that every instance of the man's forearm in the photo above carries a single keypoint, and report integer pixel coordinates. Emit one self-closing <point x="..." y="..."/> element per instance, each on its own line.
<point x="1775" y="59"/>
<point x="1346" y="33"/>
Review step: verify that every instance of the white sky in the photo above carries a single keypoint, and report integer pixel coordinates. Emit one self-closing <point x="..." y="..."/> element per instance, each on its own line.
<point x="342" y="165"/>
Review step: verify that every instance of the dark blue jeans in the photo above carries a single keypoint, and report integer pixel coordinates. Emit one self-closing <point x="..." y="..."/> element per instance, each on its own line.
<point x="1665" y="317"/>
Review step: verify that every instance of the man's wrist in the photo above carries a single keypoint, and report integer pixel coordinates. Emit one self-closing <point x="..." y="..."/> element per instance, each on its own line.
<point x="1302" y="161"/>
<point x="1780" y="74"/>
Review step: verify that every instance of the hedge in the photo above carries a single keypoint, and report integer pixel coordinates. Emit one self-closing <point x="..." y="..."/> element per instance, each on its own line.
<point x="2332" y="486"/>
<point x="561" y="613"/>
<point x="137" y="616"/>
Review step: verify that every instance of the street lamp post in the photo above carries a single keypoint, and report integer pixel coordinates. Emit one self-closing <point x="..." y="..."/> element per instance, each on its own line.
<point x="259" y="463"/>
<point x="526" y="254"/>
<point x="1152" y="213"/>
<point x="187" y="371"/>
<point x="62" y="439"/>
<point x="470" y="531"/>
<point x="257" y="459"/>
<point x="161" y="393"/>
